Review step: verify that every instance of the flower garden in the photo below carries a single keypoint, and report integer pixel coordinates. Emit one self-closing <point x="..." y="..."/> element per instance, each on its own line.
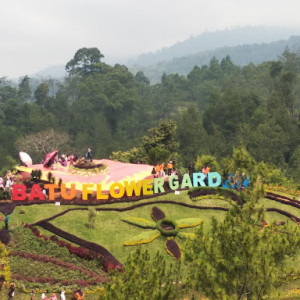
<point x="52" y="247"/>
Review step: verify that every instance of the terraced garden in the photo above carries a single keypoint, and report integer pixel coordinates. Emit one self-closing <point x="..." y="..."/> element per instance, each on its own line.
<point x="58" y="249"/>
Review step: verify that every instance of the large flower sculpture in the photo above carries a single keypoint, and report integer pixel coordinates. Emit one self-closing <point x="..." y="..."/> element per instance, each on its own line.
<point x="162" y="226"/>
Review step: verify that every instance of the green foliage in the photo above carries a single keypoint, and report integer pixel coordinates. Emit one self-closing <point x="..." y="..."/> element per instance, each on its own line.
<point x="212" y="110"/>
<point x="243" y="161"/>
<point x="157" y="155"/>
<point x="92" y="214"/>
<point x="36" y="175"/>
<point x="269" y="174"/>
<point x="85" y="61"/>
<point x="50" y="177"/>
<point x="4" y="194"/>
<point x="144" y="223"/>
<point x="167" y="232"/>
<point x="207" y="160"/>
<point x="131" y="156"/>
<point x="145" y="278"/>
<point x="162" y="136"/>
<point x="188" y="222"/>
<point x="227" y="166"/>
<point x="5" y="272"/>
<point x="8" y="164"/>
<point x="235" y="261"/>
<point x="143" y="238"/>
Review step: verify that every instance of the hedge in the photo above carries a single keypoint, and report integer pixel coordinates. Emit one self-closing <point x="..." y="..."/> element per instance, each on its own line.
<point x="143" y="238"/>
<point x="140" y="222"/>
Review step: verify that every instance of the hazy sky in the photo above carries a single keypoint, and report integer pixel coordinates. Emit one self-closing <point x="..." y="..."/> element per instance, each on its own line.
<point x="39" y="33"/>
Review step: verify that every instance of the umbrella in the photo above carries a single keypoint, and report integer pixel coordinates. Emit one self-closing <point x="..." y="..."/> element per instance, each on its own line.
<point x="25" y="159"/>
<point x="49" y="158"/>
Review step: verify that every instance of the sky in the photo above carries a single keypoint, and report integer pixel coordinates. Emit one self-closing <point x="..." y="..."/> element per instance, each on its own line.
<point x="35" y="34"/>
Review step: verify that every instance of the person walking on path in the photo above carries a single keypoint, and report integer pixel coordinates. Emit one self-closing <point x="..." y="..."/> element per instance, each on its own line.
<point x="6" y="221"/>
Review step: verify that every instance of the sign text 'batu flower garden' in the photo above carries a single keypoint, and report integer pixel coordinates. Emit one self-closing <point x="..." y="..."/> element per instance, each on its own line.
<point x="117" y="190"/>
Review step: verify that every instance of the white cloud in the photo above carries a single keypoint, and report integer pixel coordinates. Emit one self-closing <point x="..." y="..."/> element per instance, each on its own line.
<point x="35" y="34"/>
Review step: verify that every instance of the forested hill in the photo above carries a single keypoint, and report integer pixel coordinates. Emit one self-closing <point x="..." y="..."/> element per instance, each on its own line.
<point x="211" y="110"/>
<point x="213" y="40"/>
<point x="242" y="55"/>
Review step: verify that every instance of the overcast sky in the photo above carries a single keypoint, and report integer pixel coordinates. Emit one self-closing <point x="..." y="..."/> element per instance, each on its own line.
<point x="36" y="34"/>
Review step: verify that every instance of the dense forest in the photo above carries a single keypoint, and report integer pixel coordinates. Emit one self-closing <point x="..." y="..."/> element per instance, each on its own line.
<point x="241" y="54"/>
<point x="212" y="110"/>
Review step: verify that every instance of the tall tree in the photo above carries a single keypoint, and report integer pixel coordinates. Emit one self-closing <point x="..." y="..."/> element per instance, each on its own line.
<point x="24" y="89"/>
<point x="85" y="61"/>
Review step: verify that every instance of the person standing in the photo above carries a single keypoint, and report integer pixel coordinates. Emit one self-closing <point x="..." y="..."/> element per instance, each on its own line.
<point x="53" y="297"/>
<point x="44" y="297"/>
<point x="62" y="295"/>
<point x="11" y="292"/>
<point x="6" y="221"/>
<point x="79" y="295"/>
<point x="170" y="167"/>
<point x="32" y="295"/>
<point x="89" y="154"/>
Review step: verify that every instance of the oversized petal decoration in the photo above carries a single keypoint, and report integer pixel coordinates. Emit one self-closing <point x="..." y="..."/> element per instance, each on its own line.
<point x="140" y="222"/>
<point x="143" y="238"/>
<point x="157" y="214"/>
<point x="186" y="235"/>
<point x="173" y="249"/>
<point x="188" y="222"/>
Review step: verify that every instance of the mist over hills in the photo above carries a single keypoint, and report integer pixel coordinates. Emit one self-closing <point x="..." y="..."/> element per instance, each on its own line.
<point x="244" y="45"/>
<point x="213" y="40"/>
<point x="240" y="55"/>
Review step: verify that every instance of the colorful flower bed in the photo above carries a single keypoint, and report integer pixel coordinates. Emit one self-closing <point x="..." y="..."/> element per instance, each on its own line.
<point x="164" y="227"/>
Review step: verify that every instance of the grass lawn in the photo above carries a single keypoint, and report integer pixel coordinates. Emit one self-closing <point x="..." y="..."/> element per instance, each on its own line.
<point x="111" y="232"/>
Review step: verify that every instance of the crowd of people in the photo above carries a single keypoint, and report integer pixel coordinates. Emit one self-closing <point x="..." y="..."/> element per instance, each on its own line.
<point x="7" y="181"/>
<point x="77" y="295"/>
<point x="160" y="170"/>
<point x="68" y="160"/>
<point x="234" y="181"/>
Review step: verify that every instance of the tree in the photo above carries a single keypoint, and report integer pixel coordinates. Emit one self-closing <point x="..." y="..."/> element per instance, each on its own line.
<point x="92" y="214"/>
<point x="236" y="260"/>
<point x="191" y="135"/>
<point x="42" y="142"/>
<point x="161" y="136"/>
<point x="243" y="161"/>
<point x="144" y="278"/>
<point x="85" y="61"/>
<point x="41" y="93"/>
<point x="140" y="77"/>
<point x="24" y="88"/>
<point x="160" y="142"/>
<point x="207" y="160"/>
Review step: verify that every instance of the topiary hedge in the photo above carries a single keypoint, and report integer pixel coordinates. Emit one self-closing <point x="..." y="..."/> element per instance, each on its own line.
<point x="166" y="232"/>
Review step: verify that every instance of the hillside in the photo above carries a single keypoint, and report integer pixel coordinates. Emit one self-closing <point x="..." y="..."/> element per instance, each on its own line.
<point x="241" y="55"/>
<point x="212" y="40"/>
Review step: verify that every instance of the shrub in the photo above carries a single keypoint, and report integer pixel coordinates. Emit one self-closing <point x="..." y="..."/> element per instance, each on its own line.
<point x="143" y="223"/>
<point x="165" y="232"/>
<point x="173" y="249"/>
<point x="92" y="217"/>
<point x="157" y="214"/>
